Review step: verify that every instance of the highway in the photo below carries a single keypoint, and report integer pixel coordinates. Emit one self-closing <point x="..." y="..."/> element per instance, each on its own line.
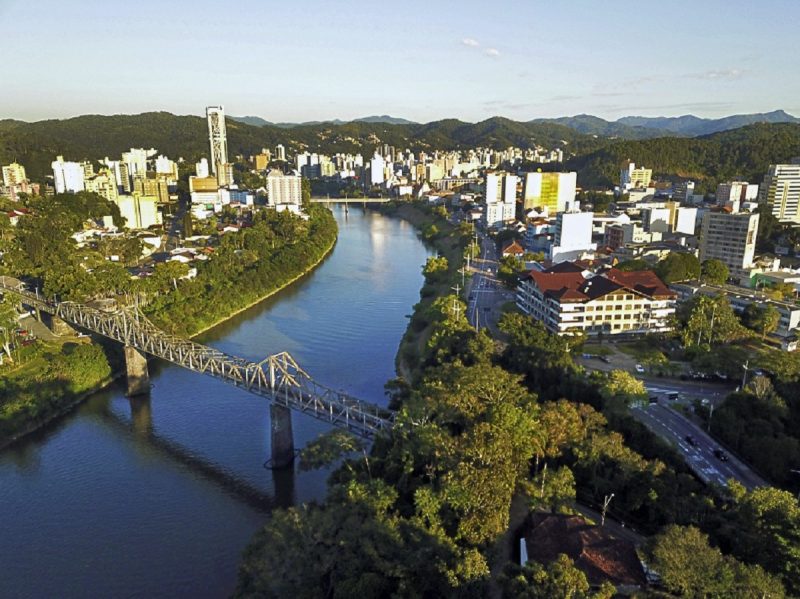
<point x="675" y="428"/>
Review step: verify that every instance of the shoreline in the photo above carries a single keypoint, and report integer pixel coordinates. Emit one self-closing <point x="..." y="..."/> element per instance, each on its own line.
<point x="105" y="383"/>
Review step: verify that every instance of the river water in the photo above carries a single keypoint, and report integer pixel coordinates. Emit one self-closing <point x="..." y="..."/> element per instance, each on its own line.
<point x="157" y="497"/>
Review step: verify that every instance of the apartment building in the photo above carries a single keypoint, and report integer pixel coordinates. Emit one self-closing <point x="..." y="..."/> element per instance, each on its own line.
<point x="568" y="299"/>
<point x="730" y="238"/>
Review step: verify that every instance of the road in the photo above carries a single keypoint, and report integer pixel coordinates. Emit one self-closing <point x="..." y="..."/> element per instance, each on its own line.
<point x="486" y="295"/>
<point x="675" y="428"/>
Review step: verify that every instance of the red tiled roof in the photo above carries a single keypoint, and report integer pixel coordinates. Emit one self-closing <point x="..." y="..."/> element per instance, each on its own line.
<point x="595" y="552"/>
<point x="513" y="248"/>
<point x="564" y="267"/>
<point x="645" y="282"/>
<point x="559" y="285"/>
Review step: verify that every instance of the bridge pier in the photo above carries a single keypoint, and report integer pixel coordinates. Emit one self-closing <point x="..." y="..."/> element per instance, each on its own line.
<point x="136" y="369"/>
<point x="59" y="327"/>
<point x="281" y="436"/>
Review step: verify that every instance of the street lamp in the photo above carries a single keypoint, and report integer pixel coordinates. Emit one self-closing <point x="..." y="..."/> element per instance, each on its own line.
<point x="606" y="501"/>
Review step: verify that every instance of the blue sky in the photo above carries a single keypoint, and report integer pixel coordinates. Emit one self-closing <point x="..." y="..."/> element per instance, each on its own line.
<point x="423" y="60"/>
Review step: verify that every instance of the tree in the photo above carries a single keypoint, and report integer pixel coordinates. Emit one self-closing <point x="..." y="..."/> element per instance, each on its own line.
<point x="762" y="319"/>
<point x="621" y="386"/>
<point x="633" y="265"/>
<point x="690" y="567"/>
<point x="8" y="322"/>
<point x="714" y="271"/>
<point x="678" y="266"/>
<point x="558" y="579"/>
<point x="706" y="321"/>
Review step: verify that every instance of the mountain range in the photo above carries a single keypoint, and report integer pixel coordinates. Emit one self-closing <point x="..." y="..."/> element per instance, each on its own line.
<point x="596" y="154"/>
<point x="628" y="127"/>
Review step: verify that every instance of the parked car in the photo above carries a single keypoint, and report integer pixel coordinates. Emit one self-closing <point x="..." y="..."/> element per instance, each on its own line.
<point x="720" y="455"/>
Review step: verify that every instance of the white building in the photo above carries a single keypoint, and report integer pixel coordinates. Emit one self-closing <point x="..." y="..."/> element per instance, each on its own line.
<point x="656" y="220"/>
<point x="165" y="166"/>
<point x="376" y="168"/>
<point x="781" y="189"/>
<point x="14" y="174"/>
<point x="631" y="177"/>
<point x="553" y="191"/>
<point x="280" y="153"/>
<point x="139" y="212"/>
<point x="569" y="300"/>
<point x="685" y="220"/>
<point x="730" y="238"/>
<point x="284" y="192"/>
<point x="217" y="136"/>
<point x="501" y="199"/>
<point x="67" y="176"/>
<point x="572" y="237"/>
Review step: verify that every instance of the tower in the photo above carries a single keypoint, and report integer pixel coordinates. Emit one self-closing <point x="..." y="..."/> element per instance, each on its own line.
<point x="216" y="136"/>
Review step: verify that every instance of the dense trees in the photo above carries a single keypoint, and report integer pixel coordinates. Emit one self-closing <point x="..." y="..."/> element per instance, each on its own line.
<point x="714" y="271"/>
<point x="678" y="266"/>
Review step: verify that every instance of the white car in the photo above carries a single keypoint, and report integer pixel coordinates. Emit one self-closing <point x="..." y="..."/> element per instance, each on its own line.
<point x="639" y="369"/>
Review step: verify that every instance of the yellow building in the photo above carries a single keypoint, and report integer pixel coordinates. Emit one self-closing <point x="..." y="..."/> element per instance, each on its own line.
<point x="554" y="191"/>
<point x="14" y="174"/>
<point x="203" y="184"/>
<point x="139" y="211"/>
<point x="261" y="161"/>
<point x="152" y="186"/>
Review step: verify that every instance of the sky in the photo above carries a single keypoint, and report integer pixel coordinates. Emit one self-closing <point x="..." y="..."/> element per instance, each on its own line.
<point x="301" y="60"/>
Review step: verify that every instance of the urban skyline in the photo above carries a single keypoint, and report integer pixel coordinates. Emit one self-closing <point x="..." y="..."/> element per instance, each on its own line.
<point x="423" y="63"/>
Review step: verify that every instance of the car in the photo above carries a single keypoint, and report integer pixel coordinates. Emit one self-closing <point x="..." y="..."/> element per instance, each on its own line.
<point x="639" y="368"/>
<point x="691" y="440"/>
<point x="605" y="359"/>
<point x="720" y="455"/>
<point x="654" y="399"/>
<point x="673" y="395"/>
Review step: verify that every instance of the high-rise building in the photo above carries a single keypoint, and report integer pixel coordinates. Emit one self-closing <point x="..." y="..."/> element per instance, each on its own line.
<point x="781" y="189"/>
<point x="554" y="191"/>
<point x="165" y="166"/>
<point x="67" y="176"/>
<point x="14" y="174"/>
<point x="280" y="153"/>
<point x="376" y="166"/>
<point x="201" y="168"/>
<point x="631" y="177"/>
<point x="152" y="185"/>
<point x="501" y="199"/>
<point x="217" y="136"/>
<point x="573" y="236"/>
<point x="139" y="212"/>
<point x="730" y="238"/>
<point x="104" y="183"/>
<point x="261" y="161"/>
<point x="284" y="192"/>
<point x="683" y="191"/>
<point x="735" y="192"/>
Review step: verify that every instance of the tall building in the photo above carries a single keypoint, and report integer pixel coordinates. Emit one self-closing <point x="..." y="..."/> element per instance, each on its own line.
<point x="165" y="166"/>
<point x="104" y="183"/>
<point x="631" y="177"/>
<point x="261" y="161"/>
<point x="735" y="192"/>
<point x="573" y="236"/>
<point x="554" y="191"/>
<point x="284" y="192"/>
<point x="376" y="166"/>
<point x="14" y="174"/>
<point x="201" y="168"/>
<point x="501" y="199"/>
<point x="730" y="238"/>
<point x="217" y="137"/>
<point x="781" y="189"/>
<point x="139" y="212"/>
<point x="280" y="153"/>
<point x="67" y="176"/>
<point x="683" y="191"/>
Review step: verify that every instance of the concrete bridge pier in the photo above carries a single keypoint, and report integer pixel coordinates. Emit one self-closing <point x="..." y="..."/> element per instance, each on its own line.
<point x="281" y="436"/>
<point x="59" y="327"/>
<point x="136" y="368"/>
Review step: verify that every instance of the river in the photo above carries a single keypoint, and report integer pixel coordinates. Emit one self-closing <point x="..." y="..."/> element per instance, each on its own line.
<point x="157" y="497"/>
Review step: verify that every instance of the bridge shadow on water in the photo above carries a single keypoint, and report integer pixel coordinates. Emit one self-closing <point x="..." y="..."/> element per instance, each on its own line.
<point x="140" y="428"/>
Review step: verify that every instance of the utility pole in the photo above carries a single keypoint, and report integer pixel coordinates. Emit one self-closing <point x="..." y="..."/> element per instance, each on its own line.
<point x="456" y="307"/>
<point x="606" y="501"/>
<point x="710" y="413"/>
<point x="744" y="376"/>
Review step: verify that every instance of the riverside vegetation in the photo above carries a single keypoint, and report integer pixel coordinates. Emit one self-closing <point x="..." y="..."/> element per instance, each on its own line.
<point x="245" y="267"/>
<point x="423" y="513"/>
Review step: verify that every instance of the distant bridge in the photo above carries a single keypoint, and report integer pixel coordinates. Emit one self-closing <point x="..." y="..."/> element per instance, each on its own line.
<point x="351" y="200"/>
<point x="278" y="377"/>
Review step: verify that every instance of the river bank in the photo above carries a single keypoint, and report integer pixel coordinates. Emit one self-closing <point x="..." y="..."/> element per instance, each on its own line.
<point x="450" y="242"/>
<point x="31" y="399"/>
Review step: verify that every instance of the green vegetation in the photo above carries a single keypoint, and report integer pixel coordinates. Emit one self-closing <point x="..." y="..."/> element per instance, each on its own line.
<point x="714" y="271"/>
<point x="51" y="379"/>
<point x="678" y="266"/>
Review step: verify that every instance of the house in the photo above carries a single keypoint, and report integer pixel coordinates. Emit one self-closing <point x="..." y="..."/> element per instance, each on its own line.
<point x="513" y="249"/>
<point x="595" y="552"/>
<point x="568" y="298"/>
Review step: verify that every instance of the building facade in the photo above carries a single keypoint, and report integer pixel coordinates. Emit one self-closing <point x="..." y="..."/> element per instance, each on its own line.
<point x="781" y="190"/>
<point x="569" y="300"/>
<point x="553" y="191"/>
<point x="217" y="136"/>
<point x="730" y="238"/>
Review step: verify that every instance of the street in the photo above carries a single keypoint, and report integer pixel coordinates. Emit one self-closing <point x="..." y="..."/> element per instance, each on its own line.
<point x="675" y="428"/>
<point x="485" y="293"/>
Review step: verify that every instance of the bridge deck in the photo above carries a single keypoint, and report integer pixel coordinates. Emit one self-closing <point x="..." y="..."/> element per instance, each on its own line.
<point x="278" y="378"/>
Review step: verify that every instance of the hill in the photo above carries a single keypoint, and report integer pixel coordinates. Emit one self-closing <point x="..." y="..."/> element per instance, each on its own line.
<point x="695" y="126"/>
<point x="91" y="137"/>
<point x="746" y="152"/>
<point x="257" y="121"/>
<point x="592" y="125"/>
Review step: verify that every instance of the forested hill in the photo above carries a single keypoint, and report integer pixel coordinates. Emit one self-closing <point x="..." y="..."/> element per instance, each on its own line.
<point x="92" y="137"/>
<point x="744" y="152"/>
<point x="740" y="153"/>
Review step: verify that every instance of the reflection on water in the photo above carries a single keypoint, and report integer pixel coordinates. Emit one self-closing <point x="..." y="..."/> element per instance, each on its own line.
<point x="158" y="496"/>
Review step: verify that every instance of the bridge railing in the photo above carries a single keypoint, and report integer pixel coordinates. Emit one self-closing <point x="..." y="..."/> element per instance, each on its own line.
<point x="278" y="378"/>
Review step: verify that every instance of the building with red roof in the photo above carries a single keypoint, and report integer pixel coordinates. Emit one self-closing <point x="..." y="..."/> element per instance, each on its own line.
<point x="567" y="298"/>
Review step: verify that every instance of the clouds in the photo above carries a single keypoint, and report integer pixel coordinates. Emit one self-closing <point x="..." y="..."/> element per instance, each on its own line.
<point x="471" y="42"/>
<point x="717" y="75"/>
